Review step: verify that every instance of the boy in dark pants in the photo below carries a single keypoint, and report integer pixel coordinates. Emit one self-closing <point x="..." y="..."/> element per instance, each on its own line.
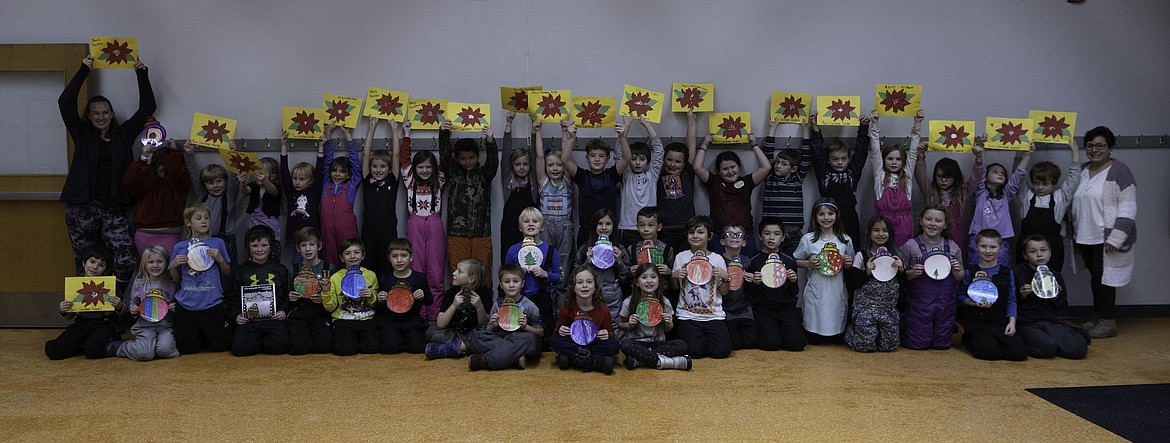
<point x="779" y="325"/>
<point x="255" y="335"/>
<point x="202" y="321"/>
<point x="310" y="327"/>
<point x="353" y="331"/>
<point x="401" y="331"/>
<point x="495" y="348"/>
<point x="91" y="332"/>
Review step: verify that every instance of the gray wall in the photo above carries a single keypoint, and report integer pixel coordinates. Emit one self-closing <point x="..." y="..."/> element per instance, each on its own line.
<point x="1104" y="59"/>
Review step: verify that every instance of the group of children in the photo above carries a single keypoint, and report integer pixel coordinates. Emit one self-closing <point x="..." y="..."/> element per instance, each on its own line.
<point x="589" y="262"/>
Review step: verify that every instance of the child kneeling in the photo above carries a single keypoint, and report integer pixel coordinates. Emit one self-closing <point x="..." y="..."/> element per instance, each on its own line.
<point x="1039" y="325"/>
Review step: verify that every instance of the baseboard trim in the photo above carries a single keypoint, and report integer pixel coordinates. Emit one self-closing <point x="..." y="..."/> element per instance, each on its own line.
<point x="1123" y="311"/>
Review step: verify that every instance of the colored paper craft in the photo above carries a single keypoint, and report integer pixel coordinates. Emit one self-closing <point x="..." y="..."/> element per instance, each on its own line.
<point x="791" y="107"/>
<point x="153" y="308"/>
<point x="198" y="258"/>
<point x="341" y="110"/>
<point x="427" y="113"/>
<point x="951" y="136"/>
<point x="508" y="316"/>
<point x="1010" y="134"/>
<point x="838" y="110"/>
<point x="400" y="299"/>
<point x="113" y="52"/>
<point x="699" y="270"/>
<point x="898" y="100"/>
<point x="641" y="103"/>
<point x="830" y="260"/>
<point x="90" y="294"/>
<point x="603" y="254"/>
<point x="937" y="265"/>
<point x="516" y="98"/>
<point x="730" y="127"/>
<point x="241" y="162"/>
<point x="469" y="117"/>
<point x="735" y="273"/>
<point x="529" y="256"/>
<point x="153" y="134"/>
<point x="353" y="282"/>
<point x="551" y="105"/>
<point x="1044" y="283"/>
<point x="699" y="97"/>
<point x="211" y="131"/>
<point x="594" y="112"/>
<point x="583" y="331"/>
<point x="303" y="123"/>
<point x="773" y="274"/>
<point x="648" y="253"/>
<point x="982" y="290"/>
<point x="386" y="104"/>
<point x="649" y="312"/>
<point x="306" y="283"/>
<point x="1053" y="127"/>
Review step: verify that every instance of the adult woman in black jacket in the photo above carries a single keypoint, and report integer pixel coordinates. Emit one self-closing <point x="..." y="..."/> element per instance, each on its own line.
<point x="94" y="193"/>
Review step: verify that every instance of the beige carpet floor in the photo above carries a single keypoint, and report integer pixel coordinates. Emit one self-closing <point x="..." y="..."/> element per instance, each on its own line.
<point x="826" y="393"/>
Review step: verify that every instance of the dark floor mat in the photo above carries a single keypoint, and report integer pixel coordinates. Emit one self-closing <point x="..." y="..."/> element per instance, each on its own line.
<point x="1137" y="413"/>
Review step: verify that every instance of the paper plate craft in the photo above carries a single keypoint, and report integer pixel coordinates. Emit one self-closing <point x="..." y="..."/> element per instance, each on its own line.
<point x="699" y="270"/>
<point x="649" y="312"/>
<point x="648" y="253"/>
<point x="603" y="256"/>
<point x="883" y="263"/>
<point x="773" y="274"/>
<point x="937" y="265"/>
<point x="1044" y="283"/>
<point x="583" y="330"/>
<point x="400" y="299"/>
<point x="530" y="256"/>
<point x="153" y="308"/>
<point x="830" y="260"/>
<point x="153" y="134"/>
<point x="982" y="290"/>
<point x="353" y="283"/>
<point x="508" y="317"/>
<point x="258" y="301"/>
<point x="735" y="273"/>
<point x="306" y="282"/>
<point x="198" y="259"/>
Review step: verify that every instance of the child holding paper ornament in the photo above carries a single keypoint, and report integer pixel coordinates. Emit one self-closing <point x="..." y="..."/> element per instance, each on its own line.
<point x="930" y="299"/>
<point x="258" y="330"/>
<point x="701" y="275"/>
<point x="1041" y="296"/>
<point x="202" y="321"/>
<point x="647" y="316"/>
<point x="584" y="335"/>
<point x="302" y="191"/>
<point x="992" y="198"/>
<point x="737" y="307"/>
<point x="838" y="174"/>
<point x="91" y="333"/>
<point x="513" y="329"/>
<point x="772" y="288"/>
<point x="221" y="189"/>
<point x="609" y="265"/>
<point x="827" y="250"/>
<point x="380" y="169"/>
<point x="874" y="321"/>
<point x="893" y="193"/>
<point x="462" y="311"/>
<point x="310" y="326"/>
<point x="540" y="261"/>
<point x="349" y="297"/>
<point x="731" y="193"/>
<point x="402" y="294"/>
<point x="989" y="326"/>
<point x="557" y="195"/>
<point x="424" y="184"/>
<point x="153" y="336"/>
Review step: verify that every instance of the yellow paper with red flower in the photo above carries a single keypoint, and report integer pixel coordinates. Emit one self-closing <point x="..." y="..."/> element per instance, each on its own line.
<point x="303" y="123"/>
<point x="516" y="98"/>
<point x="427" y="113"/>
<point x="386" y="104"/>
<point x="469" y="117"/>
<point x="951" y="136"/>
<point x="550" y="105"/>
<point x="90" y="294"/>
<point x="241" y="163"/>
<point x="1011" y="134"/>
<point x="898" y="100"/>
<point x="790" y="107"/>
<point x="641" y="103"/>
<point x="113" y="52"/>
<point x="594" y="111"/>
<point x="730" y="127"/>
<point x="341" y="110"/>
<point x="838" y="110"/>
<point x="1052" y="126"/>
<point x="212" y="131"/>
<point x="700" y="97"/>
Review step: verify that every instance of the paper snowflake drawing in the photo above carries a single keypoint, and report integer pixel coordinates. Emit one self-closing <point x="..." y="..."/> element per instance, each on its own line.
<point x="953" y="136"/>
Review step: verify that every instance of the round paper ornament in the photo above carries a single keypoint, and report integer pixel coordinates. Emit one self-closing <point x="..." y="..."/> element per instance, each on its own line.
<point x="937" y="265"/>
<point x="1044" y="283"/>
<point x="603" y="256"/>
<point x="529" y="256"/>
<point x="153" y="134"/>
<point x="198" y="259"/>
<point x="508" y="317"/>
<point x="353" y="282"/>
<point x="153" y="308"/>
<point x="583" y="330"/>
<point x="883" y="263"/>
<point x="735" y="273"/>
<point x="830" y="260"/>
<point x="699" y="271"/>
<point x="647" y="253"/>
<point x="773" y="274"/>
<point x="649" y="312"/>
<point x="400" y="299"/>
<point x="982" y="290"/>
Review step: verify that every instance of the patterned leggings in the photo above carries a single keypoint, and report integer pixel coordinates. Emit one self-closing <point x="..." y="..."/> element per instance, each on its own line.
<point x="92" y="224"/>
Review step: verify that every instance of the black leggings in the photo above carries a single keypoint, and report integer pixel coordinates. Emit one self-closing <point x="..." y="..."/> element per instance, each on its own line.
<point x="1104" y="297"/>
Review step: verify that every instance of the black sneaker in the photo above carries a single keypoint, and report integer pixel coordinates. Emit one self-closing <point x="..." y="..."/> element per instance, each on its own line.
<point x="112" y="348"/>
<point x="604" y="365"/>
<point x="475" y="362"/>
<point x="631" y="363"/>
<point x="521" y="362"/>
<point x="564" y="362"/>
